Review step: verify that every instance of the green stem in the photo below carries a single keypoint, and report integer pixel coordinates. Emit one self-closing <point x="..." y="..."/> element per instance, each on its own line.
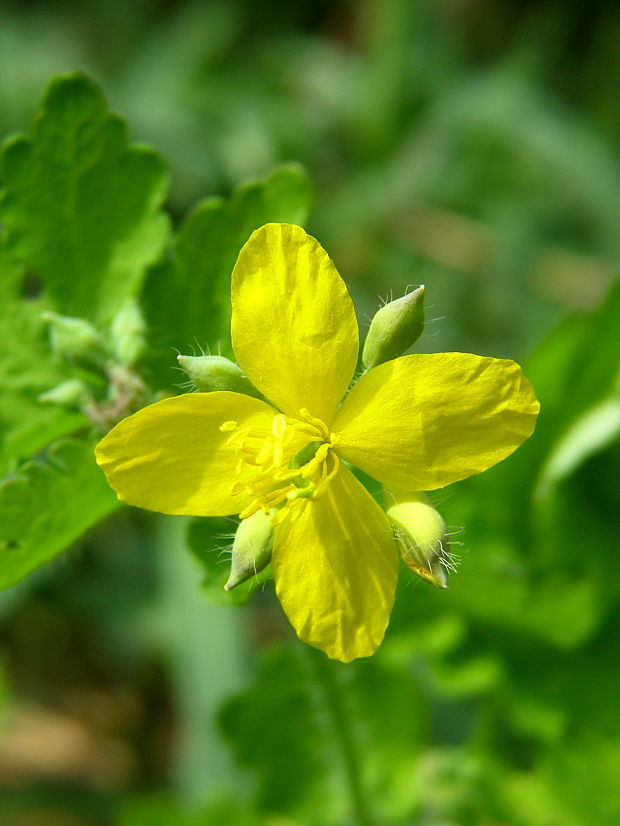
<point x="343" y="731"/>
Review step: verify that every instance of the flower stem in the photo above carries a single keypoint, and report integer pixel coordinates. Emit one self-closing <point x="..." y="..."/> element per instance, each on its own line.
<point x="343" y="730"/>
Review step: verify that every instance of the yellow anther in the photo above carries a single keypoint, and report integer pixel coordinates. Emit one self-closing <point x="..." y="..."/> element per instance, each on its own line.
<point x="278" y="426"/>
<point x="227" y="427"/>
<point x="266" y="458"/>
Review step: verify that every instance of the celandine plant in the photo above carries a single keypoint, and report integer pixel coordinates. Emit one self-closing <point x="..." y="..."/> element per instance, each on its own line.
<point x="414" y="423"/>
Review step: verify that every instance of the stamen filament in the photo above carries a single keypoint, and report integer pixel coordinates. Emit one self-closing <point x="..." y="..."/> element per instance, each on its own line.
<point x="290" y="459"/>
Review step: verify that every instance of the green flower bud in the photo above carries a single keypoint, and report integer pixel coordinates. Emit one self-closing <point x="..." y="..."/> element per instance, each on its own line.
<point x="75" y="339"/>
<point x="209" y="373"/>
<point x="128" y="333"/>
<point x="252" y="546"/>
<point x="66" y="394"/>
<point x="394" y="328"/>
<point x="126" y="394"/>
<point x="421" y="535"/>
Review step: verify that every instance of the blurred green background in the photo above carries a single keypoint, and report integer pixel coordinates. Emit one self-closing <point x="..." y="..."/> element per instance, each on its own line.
<point x="467" y="145"/>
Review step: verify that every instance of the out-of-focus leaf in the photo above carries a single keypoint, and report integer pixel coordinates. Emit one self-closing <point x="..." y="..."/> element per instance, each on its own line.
<point x="592" y="369"/>
<point x="588" y="435"/>
<point x="81" y="207"/>
<point x="160" y="810"/>
<point x="576" y="719"/>
<point x="196" y="280"/>
<point x="289" y="728"/>
<point x="576" y="372"/>
<point x="274" y="728"/>
<point x="559" y="609"/>
<point x="530" y="797"/>
<point x="47" y="505"/>
<point x="575" y="504"/>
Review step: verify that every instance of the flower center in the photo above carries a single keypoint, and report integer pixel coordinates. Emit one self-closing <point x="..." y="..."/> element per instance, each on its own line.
<point x="293" y="461"/>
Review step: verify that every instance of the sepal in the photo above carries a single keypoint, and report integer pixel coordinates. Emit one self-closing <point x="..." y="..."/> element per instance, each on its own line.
<point x="252" y="547"/>
<point x="210" y="373"/>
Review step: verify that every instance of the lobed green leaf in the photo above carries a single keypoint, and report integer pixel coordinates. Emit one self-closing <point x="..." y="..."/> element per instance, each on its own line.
<point x="82" y="208"/>
<point x="49" y="504"/>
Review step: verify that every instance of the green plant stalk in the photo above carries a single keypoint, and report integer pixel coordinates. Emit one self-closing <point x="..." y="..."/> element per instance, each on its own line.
<point x="326" y="673"/>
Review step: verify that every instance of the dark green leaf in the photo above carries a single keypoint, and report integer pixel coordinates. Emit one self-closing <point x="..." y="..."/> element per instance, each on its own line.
<point x="160" y="810"/>
<point x="196" y="280"/>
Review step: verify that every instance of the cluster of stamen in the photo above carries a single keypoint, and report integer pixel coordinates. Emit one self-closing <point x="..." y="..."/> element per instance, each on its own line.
<point x="293" y="461"/>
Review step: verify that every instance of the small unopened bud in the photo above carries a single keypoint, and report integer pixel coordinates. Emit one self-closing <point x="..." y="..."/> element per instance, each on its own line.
<point x="394" y="328"/>
<point x="128" y="333"/>
<point x="209" y="373"/>
<point x="251" y="551"/>
<point x="66" y="394"/>
<point x="75" y="339"/>
<point x="421" y="535"/>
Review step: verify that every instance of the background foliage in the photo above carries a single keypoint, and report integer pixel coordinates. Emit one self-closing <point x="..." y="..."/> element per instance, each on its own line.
<point x="468" y="146"/>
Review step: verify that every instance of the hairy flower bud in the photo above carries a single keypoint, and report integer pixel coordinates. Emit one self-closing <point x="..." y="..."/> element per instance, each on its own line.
<point x="128" y="333"/>
<point x="66" y="394"/>
<point x="394" y="328"/>
<point x="421" y="534"/>
<point x="251" y="551"/>
<point x="75" y="339"/>
<point x="209" y="373"/>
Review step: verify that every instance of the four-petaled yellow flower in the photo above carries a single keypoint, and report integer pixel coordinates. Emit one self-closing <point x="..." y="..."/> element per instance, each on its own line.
<point x="418" y="422"/>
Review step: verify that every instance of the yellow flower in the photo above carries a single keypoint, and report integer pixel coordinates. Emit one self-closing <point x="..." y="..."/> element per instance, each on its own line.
<point x="416" y="423"/>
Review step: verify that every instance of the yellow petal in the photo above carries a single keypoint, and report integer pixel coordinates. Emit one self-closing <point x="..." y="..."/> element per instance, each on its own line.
<point x="421" y="422"/>
<point x="335" y="565"/>
<point x="173" y="458"/>
<point x="294" y="329"/>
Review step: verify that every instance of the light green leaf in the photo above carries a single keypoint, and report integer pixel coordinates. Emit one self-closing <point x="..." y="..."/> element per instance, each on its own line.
<point x="562" y="610"/>
<point x="48" y="505"/>
<point x="27" y="369"/>
<point x="196" y="280"/>
<point x="588" y="435"/>
<point x="81" y="206"/>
